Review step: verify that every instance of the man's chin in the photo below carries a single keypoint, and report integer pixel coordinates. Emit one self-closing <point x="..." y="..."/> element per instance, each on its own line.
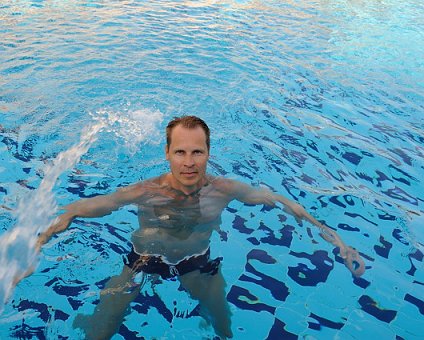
<point x="191" y="182"/>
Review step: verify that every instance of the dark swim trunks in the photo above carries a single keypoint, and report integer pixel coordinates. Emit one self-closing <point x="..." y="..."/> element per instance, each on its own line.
<point x="151" y="264"/>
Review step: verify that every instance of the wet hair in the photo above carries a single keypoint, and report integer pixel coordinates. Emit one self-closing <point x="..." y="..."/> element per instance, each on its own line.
<point x="188" y="122"/>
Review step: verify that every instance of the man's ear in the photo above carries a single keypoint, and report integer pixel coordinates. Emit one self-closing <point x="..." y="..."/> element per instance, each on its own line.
<point x="167" y="152"/>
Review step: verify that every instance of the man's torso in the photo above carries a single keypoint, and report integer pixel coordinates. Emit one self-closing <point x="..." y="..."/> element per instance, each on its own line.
<point x="175" y="225"/>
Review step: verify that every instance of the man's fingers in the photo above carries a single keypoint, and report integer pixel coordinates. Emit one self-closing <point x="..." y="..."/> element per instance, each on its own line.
<point x="354" y="262"/>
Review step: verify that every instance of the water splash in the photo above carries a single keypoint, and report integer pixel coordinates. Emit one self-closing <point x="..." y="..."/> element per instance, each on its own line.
<point x="131" y="126"/>
<point x="36" y="211"/>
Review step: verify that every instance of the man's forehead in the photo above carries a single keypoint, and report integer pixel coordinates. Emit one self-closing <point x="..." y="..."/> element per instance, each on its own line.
<point x="181" y="131"/>
<point x="181" y="135"/>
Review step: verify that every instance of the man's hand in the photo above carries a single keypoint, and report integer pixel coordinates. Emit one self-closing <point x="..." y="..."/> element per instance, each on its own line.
<point x="61" y="223"/>
<point x="352" y="260"/>
<point x="20" y="276"/>
<point x="351" y="257"/>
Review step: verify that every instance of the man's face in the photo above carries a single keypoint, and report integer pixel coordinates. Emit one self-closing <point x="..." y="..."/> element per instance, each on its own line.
<point x="188" y="156"/>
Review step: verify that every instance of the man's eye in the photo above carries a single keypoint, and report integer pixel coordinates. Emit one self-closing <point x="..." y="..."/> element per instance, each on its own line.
<point x="179" y="152"/>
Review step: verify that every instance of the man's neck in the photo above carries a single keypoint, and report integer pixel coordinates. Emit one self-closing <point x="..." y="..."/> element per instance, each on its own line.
<point x="170" y="180"/>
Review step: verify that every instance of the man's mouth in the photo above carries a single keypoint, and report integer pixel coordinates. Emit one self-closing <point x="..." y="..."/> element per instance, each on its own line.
<point x="189" y="173"/>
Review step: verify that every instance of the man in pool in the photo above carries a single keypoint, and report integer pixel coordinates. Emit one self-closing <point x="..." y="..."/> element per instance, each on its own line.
<point x="177" y="213"/>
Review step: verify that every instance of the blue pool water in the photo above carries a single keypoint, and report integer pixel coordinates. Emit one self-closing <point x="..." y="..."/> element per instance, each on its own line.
<point x="322" y="101"/>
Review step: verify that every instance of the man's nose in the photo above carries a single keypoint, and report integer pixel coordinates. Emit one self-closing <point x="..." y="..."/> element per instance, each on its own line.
<point x="188" y="160"/>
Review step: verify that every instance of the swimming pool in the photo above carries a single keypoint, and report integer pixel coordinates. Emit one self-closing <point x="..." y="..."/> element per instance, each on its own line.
<point x="319" y="100"/>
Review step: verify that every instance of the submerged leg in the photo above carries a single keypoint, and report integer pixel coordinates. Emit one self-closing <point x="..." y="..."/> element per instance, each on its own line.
<point x="109" y="313"/>
<point x="209" y="290"/>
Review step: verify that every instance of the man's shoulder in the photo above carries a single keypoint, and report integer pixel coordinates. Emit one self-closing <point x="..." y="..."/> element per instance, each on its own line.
<point x="142" y="187"/>
<point x="222" y="184"/>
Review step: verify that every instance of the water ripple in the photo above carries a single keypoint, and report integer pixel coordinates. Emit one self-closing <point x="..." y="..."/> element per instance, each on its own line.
<point x="321" y="101"/>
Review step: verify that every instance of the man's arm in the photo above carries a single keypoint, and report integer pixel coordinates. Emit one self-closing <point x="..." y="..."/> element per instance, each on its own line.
<point x="98" y="206"/>
<point x="350" y="256"/>
<point x="92" y="207"/>
<point x="250" y="195"/>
